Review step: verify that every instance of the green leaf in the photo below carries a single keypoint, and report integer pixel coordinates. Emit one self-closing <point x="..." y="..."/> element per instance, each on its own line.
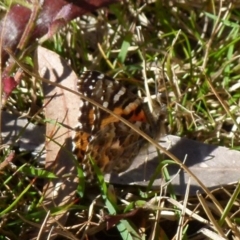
<point x="37" y="172"/>
<point x="124" y="48"/>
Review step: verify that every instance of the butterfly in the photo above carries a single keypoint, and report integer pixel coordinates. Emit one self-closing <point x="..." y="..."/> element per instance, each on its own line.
<point x="111" y="143"/>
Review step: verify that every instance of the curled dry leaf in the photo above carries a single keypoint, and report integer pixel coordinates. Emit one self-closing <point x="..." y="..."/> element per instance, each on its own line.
<point x="9" y="84"/>
<point x="61" y="111"/>
<point x="52" y="15"/>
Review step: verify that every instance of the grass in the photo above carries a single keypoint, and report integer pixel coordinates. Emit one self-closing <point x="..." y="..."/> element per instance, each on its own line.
<point x="192" y="51"/>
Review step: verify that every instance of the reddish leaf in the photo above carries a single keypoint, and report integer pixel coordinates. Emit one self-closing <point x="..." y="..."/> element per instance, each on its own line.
<point x="15" y="21"/>
<point x="9" y="84"/>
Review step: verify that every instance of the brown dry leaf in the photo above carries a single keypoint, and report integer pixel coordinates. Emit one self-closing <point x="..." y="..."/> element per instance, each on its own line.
<point x="61" y="111"/>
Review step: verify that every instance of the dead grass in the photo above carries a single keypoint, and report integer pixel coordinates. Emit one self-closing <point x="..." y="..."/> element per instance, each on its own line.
<point x="192" y="52"/>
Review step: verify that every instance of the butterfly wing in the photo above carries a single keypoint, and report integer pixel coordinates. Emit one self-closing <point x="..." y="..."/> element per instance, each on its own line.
<point x="99" y="135"/>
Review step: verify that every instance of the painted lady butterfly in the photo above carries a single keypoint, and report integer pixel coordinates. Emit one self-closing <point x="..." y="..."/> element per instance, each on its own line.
<point x="103" y="137"/>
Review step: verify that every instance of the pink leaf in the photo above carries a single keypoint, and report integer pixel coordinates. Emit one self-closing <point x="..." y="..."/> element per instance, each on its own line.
<point x="9" y="84"/>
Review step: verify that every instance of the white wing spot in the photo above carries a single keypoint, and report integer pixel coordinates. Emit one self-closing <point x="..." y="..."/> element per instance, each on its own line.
<point x="79" y="126"/>
<point x="81" y="104"/>
<point x="105" y="104"/>
<point x="121" y="92"/>
<point x="101" y="76"/>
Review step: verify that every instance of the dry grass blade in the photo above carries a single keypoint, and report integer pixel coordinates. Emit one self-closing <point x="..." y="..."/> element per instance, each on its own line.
<point x="210" y="216"/>
<point x="179" y="233"/>
<point x="176" y="43"/>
